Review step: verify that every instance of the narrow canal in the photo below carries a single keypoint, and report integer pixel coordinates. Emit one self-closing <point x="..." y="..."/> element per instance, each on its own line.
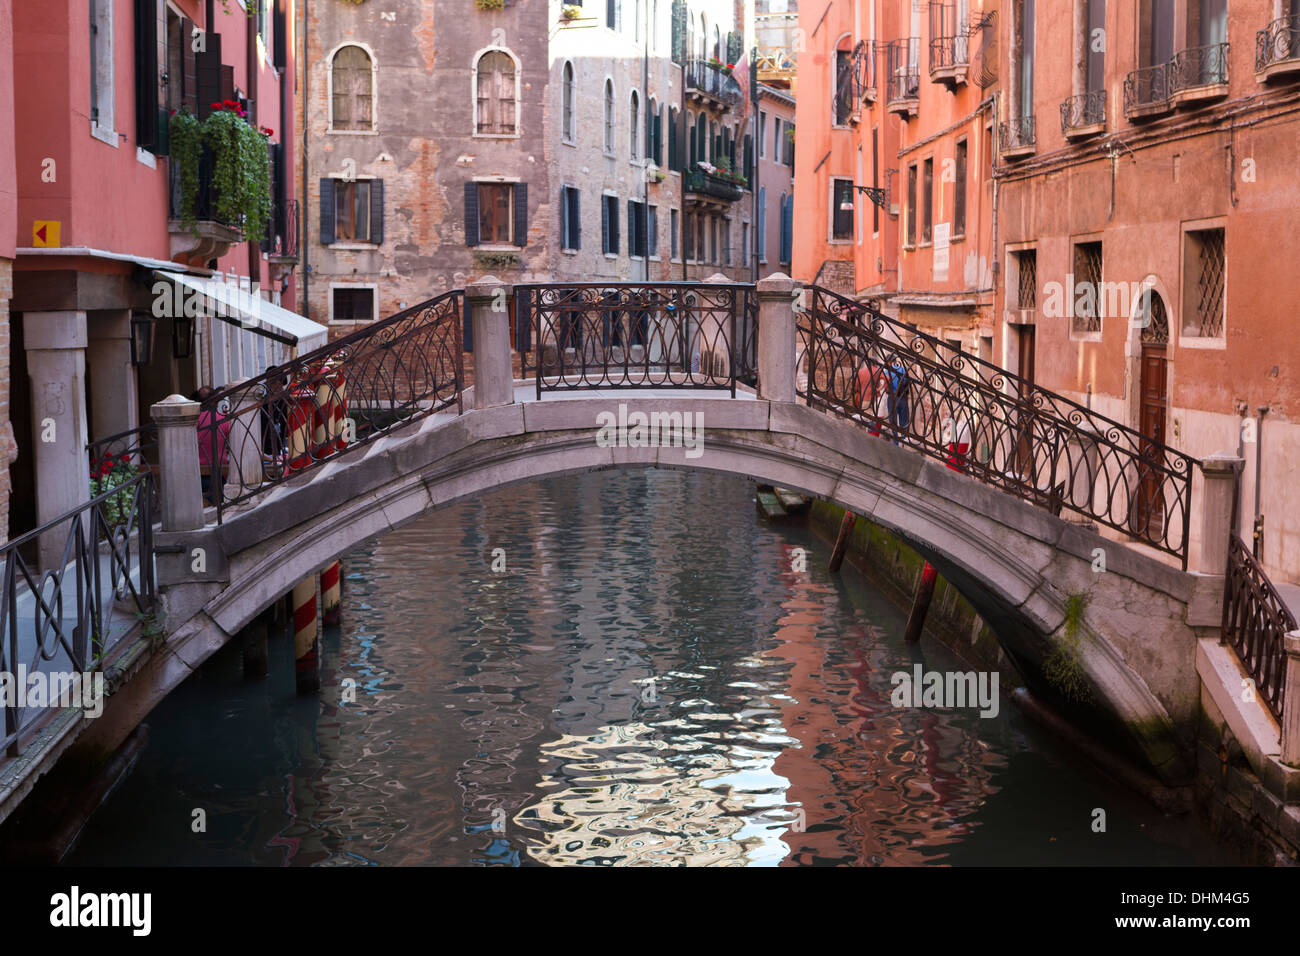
<point x="648" y="681"/>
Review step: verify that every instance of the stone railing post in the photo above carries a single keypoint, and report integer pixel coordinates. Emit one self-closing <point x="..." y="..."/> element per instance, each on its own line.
<point x="494" y="379"/>
<point x="244" y="445"/>
<point x="1291" y="701"/>
<point x="1083" y="459"/>
<point x="776" y="338"/>
<point x="177" y="419"/>
<point x="1220" y="474"/>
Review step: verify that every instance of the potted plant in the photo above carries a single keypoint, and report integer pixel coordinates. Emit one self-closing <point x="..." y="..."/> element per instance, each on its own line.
<point x="570" y="11"/>
<point x="490" y="4"/>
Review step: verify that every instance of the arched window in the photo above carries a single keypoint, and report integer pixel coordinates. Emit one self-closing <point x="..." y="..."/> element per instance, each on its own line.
<point x="352" y="88"/>
<point x="496" y="94"/>
<point x="609" y="116"/>
<point x="653" y="124"/>
<point x="567" y="104"/>
<point x="633" y="150"/>
<point x="717" y="43"/>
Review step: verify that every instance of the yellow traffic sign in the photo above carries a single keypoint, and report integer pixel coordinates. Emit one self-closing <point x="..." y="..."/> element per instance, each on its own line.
<point x="45" y="234"/>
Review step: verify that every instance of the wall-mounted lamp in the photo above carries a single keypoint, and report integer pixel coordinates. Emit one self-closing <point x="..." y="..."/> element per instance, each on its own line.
<point x="182" y="336"/>
<point x="877" y="194"/>
<point x="141" y="338"/>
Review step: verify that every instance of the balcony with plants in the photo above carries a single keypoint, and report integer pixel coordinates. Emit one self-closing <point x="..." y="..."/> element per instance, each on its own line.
<point x="714" y="182"/>
<point x="711" y="82"/>
<point x="220" y="182"/>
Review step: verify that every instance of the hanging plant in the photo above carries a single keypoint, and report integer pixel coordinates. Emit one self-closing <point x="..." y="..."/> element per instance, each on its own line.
<point x="241" y="170"/>
<point x="490" y="4"/>
<point x="185" y="134"/>
<point x="240" y="167"/>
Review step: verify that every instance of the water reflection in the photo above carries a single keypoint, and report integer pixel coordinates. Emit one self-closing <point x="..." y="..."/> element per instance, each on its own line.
<point x="646" y="682"/>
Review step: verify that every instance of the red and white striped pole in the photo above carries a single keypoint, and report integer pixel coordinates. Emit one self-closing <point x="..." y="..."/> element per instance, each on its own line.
<point x="331" y="594"/>
<point x="306" y="644"/>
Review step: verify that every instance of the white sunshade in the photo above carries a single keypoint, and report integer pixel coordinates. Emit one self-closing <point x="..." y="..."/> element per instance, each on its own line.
<point x="245" y="310"/>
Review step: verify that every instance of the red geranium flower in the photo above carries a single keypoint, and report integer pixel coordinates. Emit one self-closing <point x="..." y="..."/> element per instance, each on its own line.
<point x="216" y="106"/>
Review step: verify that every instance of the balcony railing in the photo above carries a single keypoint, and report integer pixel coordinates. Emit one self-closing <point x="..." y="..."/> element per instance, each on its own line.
<point x="903" y="75"/>
<point x="1278" y="45"/>
<point x="1198" y="67"/>
<point x="705" y="80"/>
<point x="1018" y="135"/>
<point x="1085" y="112"/>
<point x="1146" y="91"/>
<point x="704" y="183"/>
<point x="205" y="201"/>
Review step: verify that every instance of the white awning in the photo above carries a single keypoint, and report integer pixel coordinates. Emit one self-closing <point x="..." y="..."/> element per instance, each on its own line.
<point x="244" y="309"/>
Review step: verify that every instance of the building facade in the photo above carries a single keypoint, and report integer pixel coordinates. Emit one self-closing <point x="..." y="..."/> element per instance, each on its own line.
<point x="537" y="143"/>
<point x="119" y="268"/>
<point x="1151" y="146"/>
<point x="896" y="127"/>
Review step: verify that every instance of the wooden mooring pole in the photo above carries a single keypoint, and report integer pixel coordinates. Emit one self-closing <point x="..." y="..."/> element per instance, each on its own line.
<point x="921" y="604"/>
<point x="842" y="542"/>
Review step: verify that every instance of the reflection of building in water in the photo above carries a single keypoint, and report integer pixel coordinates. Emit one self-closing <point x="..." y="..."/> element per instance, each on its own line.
<point x="875" y="783"/>
<point x="629" y="797"/>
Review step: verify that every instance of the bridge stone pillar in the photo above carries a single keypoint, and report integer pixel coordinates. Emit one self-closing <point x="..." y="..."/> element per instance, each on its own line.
<point x="177" y="419"/>
<point x="1220" y="474"/>
<point x="776" y="337"/>
<point x="494" y="380"/>
<point x="1291" y="702"/>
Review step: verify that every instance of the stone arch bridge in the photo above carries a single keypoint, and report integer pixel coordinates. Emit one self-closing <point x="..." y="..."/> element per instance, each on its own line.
<point x="1018" y="496"/>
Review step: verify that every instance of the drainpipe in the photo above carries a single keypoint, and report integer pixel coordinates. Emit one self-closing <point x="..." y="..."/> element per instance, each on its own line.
<point x="1257" y="544"/>
<point x="303" y="245"/>
<point x="755" y="239"/>
<point x="251" y="58"/>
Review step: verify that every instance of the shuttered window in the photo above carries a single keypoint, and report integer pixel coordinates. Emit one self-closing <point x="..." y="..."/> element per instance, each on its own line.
<point x="352" y="211"/>
<point x="567" y="103"/>
<point x="496" y="214"/>
<point x="352" y="90"/>
<point x="495" y="92"/>
<point x="571" y="217"/>
<point x="609" y="224"/>
<point x="787" y="229"/>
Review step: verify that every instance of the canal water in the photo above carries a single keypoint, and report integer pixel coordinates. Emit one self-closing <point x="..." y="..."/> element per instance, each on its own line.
<point x="641" y="674"/>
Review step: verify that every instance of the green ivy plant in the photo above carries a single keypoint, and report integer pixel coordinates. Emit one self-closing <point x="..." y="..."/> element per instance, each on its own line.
<point x="186" y="136"/>
<point x="1064" y="665"/>
<point x="241" y="168"/>
<point x="490" y="4"/>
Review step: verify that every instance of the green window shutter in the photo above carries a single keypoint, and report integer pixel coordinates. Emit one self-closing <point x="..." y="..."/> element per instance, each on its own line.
<point x="326" y="211"/>
<point x="471" y="214"/>
<point x="521" y="214"/>
<point x="377" y="211"/>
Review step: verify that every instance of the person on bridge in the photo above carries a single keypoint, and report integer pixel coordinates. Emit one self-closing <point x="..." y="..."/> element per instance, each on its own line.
<point x="214" y="435"/>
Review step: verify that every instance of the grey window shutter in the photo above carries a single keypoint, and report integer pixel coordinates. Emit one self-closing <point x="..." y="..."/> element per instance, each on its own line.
<point x="577" y="219"/>
<point x="566" y="220"/>
<point x="521" y="214"/>
<point x="604" y="224"/>
<point x="377" y="211"/>
<point x="471" y="214"/>
<point x="631" y="229"/>
<point x="326" y="211"/>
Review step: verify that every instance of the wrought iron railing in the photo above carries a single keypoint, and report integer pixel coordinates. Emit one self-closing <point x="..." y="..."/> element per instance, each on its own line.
<point x="712" y="81"/>
<point x="704" y="183"/>
<point x="1255" y="622"/>
<point x="923" y="393"/>
<point x="902" y="58"/>
<point x="263" y="431"/>
<point x="1198" y="66"/>
<point x="1018" y="133"/>
<point x="1083" y="110"/>
<point x="1277" y="43"/>
<point x="205" y="200"/>
<point x="1147" y="89"/>
<point x="630" y="335"/>
<point x="64" y="618"/>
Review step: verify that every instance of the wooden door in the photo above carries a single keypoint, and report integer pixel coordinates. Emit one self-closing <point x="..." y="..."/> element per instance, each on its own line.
<point x="1148" y="512"/>
<point x="1025" y="344"/>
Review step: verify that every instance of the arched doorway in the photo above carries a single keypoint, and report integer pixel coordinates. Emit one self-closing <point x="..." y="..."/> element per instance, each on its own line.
<point x="1148" y="511"/>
